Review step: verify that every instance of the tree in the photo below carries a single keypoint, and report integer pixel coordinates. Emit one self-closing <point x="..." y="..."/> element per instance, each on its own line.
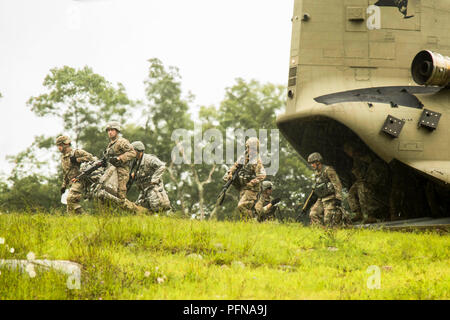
<point x="250" y="104"/>
<point x="166" y="109"/>
<point x="84" y="101"/>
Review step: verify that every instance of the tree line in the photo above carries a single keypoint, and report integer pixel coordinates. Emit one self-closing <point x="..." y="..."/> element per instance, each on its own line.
<point x="84" y="101"/>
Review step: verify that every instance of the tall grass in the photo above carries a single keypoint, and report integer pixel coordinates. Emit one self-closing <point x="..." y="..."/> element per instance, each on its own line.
<point x="149" y="257"/>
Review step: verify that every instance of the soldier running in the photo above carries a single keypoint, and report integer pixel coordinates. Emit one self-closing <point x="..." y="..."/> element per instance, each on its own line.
<point x="327" y="210"/>
<point x="70" y="161"/>
<point x="120" y="153"/>
<point x="250" y="177"/>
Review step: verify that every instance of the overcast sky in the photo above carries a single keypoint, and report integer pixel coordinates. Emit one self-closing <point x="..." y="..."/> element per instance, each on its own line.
<point x="212" y="42"/>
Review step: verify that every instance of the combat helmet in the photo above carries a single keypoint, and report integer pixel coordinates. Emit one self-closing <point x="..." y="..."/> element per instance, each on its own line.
<point x="63" y="140"/>
<point x="266" y="185"/>
<point x="138" y="146"/>
<point x="113" y="125"/>
<point x="313" y="157"/>
<point x="252" y="143"/>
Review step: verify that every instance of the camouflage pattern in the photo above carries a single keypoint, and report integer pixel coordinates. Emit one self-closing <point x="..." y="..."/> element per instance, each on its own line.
<point x="63" y="140"/>
<point x="249" y="183"/>
<point x="113" y="125"/>
<point x="123" y="150"/>
<point x="358" y="192"/>
<point x="325" y="210"/>
<point x="102" y="185"/>
<point x="313" y="157"/>
<point x="70" y="171"/>
<point x="369" y="195"/>
<point x="138" y="146"/>
<point x="152" y="194"/>
<point x="262" y="209"/>
<point x="247" y="200"/>
<point x="266" y="185"/>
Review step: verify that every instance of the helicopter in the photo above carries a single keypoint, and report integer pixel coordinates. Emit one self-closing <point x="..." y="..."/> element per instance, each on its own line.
<point x="376" y="73"/>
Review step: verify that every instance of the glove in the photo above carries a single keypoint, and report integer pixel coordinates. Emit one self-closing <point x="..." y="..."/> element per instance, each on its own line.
<point x="338" y="202"/>
<point x="275" y="201"/>
<point x="104" y="162"/>
<point x="115" y="162"/>
<point x="73" y="159"/>
<point x="63" y="189"/>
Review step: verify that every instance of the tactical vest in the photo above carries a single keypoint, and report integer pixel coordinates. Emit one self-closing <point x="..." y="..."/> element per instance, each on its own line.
<point x="110" y="150"/>
<point x="246" y="174"/>
<point x="323" y="186"/>
<point x="71" y="170"/>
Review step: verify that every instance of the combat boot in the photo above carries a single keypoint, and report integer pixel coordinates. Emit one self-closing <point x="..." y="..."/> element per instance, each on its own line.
<point x="79" y="211"/>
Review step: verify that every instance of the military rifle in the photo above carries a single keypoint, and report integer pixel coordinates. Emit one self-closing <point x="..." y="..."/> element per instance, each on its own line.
<point x="306" y="205"/>
<point x="132" y="177"/>
<point x="227" y="185"/>
<point x="101" y="163"/>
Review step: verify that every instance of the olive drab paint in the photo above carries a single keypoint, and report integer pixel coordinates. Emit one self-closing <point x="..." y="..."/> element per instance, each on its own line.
<point x="350" y="78"/>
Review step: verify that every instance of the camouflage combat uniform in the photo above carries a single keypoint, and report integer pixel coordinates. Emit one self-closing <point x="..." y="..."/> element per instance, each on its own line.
<point x="357" y="194"/>
<point x="369" y="193"/>
<point x="70" y="171"/>
<point x="263" y="212"/>
<point x="328" y="189"/>
<point x="250" y="177"/>
<point x="152" y="194"/>
<point x="102" y="185"/>
<point x="122" y="149"/>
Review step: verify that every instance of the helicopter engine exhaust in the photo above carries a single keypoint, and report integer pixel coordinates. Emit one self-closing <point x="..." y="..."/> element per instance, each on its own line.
<point x="431" y="69"/>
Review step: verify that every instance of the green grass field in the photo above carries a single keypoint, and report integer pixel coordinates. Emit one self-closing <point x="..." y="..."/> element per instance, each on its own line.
<point x="150" y="257"/>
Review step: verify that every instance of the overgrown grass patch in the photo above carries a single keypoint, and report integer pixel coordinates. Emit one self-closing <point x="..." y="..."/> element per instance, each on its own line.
<point x="149" y="257"/>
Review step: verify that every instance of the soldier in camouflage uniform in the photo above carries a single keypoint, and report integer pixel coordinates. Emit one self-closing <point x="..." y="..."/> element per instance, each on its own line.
<point x="327" y="210"/>
<point x="147" y="172"/>
<point x="120" y="153"/>
<point x="265" y="207"/>
<point x="367" y="196"/>
<point x="250" y="177"/>
<point x="70" y="161"/>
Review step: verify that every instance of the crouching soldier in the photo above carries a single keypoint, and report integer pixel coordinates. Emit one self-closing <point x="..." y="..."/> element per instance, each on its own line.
<point x="70" y="161"/>
<point x="266" y="207"/>
<point x="147" y="171"/>
<point x="327" y="210"/>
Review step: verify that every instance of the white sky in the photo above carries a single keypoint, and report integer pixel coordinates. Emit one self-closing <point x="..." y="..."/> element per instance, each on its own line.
<point x="212" y="42"/>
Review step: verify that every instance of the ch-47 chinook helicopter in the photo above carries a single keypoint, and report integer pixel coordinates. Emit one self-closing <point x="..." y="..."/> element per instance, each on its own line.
<point x="376" y="73"/>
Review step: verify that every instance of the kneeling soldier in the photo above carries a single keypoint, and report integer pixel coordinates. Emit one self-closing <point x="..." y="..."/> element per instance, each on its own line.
<point x="265" y="207"/>
<point x="147" y="170"/>
<point x="70" y="161"/>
